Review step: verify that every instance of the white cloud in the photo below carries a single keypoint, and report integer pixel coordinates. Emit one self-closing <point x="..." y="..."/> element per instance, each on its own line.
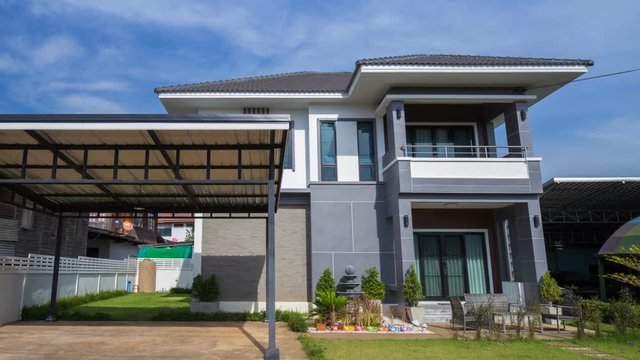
<point x="10" y="64"/>
<point x="89" y="104"/>
<point x="104" y="85"/>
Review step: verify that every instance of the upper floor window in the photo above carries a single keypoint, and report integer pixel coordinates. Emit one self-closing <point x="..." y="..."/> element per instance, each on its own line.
<point x="441" y="141"/>
<point x="366" y="151"/>
<point x="328" y="168"/>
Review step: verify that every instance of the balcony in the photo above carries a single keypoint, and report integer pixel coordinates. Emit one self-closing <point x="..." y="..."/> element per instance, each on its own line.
<point x="443" y="168"/>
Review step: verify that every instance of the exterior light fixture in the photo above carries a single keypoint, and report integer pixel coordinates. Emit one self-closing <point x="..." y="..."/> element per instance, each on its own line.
<point x="398" y="114"/>
<point x="405" y="220"/>
<point x="536" y="221"/>
<point x="523" y="115"/>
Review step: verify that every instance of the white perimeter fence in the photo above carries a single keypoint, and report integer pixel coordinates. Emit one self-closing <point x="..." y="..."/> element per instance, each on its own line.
<point x="26" y="281"/>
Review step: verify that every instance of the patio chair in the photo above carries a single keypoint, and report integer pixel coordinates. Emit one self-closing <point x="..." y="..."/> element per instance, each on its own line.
<point x="459" y="315"/>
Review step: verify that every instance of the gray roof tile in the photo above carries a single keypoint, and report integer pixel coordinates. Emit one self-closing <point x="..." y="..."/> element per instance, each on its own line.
<point x="332" y="82"/>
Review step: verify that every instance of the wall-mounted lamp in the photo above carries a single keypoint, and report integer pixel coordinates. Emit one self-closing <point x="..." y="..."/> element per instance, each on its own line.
<point x="398" y="114"/>
<point x="523" y="115"/>
<point x="405" y="220"/>
<point x="536" y="221"/>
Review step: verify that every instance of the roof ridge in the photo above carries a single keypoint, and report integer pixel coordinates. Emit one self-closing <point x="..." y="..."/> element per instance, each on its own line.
<point x="469" y="56"/>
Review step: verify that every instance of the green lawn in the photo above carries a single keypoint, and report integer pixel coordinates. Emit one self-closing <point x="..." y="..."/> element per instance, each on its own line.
<point x="136" y="306"/>
<point x="624" y="346"/>
<point x="433" y="349"/>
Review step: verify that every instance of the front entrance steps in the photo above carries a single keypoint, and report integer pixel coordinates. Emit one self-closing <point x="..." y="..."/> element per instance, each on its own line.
<point x="436" y="311"/>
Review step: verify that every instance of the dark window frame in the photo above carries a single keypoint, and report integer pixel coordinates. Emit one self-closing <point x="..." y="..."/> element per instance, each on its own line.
<point x="335" y="150"/>
<point x="374" y="155"/>
<point x="289" y="151"/>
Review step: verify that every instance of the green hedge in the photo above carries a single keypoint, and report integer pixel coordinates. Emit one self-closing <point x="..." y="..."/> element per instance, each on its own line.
<point x="297" y="322"/>
<point x="64" y="305"/>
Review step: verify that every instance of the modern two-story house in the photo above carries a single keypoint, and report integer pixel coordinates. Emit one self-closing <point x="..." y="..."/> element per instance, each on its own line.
<point x="424" y="160"/>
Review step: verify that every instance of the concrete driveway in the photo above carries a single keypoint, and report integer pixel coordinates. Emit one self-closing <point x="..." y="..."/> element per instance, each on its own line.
<point x="143" y="340"/>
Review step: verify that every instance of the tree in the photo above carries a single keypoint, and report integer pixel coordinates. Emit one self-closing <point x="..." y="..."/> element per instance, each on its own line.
<point x="326" y="283"/>
<point x="371" y="285"/>
<point x="630" y="261"/>
<point x="550" y="291"/>
<point x="412" y="288"/>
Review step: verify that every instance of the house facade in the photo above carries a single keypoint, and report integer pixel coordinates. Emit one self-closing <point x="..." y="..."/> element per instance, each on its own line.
<point x="424" y="160"/>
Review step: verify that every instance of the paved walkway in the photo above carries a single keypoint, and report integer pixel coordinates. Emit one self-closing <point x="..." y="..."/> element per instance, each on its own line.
<point x="143" y="340"/>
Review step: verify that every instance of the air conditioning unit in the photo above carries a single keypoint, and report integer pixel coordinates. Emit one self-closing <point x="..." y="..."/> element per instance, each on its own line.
<point x="26" y="219"/>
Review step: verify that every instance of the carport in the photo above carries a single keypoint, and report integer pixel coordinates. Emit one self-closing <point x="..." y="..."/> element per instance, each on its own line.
<point x="209" y="166"/>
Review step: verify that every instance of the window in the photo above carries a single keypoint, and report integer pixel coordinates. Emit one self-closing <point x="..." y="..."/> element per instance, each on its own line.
<point x="366" y="152"/>
<point x="288" y="151"/>
<point x="441" y="141"/>
<point x="328" y="168"/>
<point x="164" y="230"/>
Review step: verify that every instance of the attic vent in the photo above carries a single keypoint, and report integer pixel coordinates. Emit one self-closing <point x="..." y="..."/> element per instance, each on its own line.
<point x="255" y="110"/>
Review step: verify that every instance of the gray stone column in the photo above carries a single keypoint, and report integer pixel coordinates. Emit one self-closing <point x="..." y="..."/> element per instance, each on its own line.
<point x="517" y="126"/>
<point x="396" y="128"/>
<point x="529" y="257"/>
<point x="403" y="243"/>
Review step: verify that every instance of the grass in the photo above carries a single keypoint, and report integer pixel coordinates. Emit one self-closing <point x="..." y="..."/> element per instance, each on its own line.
<point x="319" y="349"/>
<point x="138" y="306"/>
<point x="627" y="346"/>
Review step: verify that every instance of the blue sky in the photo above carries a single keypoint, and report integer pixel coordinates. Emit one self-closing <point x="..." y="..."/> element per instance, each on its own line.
<point x="81" y="56"/>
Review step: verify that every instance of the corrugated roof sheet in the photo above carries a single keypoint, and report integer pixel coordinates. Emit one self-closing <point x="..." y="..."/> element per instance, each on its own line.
<point x="591" y="194"/>
<point x="332" y="82"/>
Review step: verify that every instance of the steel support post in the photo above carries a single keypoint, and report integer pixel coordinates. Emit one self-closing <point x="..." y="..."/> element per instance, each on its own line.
<point x="56" y="271"/>
<point x="272" y="352"/>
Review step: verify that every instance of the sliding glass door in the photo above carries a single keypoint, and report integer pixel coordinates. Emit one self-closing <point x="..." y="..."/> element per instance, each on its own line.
<point x="452" y="264"/>
<point x="441" y="141"/>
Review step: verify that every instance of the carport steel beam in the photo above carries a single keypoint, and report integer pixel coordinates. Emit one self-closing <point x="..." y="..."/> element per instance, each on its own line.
<point x="35" y="124"/>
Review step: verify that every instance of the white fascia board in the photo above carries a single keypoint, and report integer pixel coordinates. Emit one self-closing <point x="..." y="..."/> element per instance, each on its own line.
<point x="594" y="179"/>
<point x="144" y="126"/>
<point x="213" y="95"/>
<point x="470" y="69"/>
<point x="451" y="99"/>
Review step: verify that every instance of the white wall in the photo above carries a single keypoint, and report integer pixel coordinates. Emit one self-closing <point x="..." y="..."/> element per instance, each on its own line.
<point x="10" y="297"/>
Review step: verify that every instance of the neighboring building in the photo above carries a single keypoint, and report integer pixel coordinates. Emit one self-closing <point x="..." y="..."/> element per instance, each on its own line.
<point x="24" y="232"/>
<point x="117" y="236"/>
<point x="391" y="165"/>
<point x="178" y="229"/>
<point x="579" y="215"/>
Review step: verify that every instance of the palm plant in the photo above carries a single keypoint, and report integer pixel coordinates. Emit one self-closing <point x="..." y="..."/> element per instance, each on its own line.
<point x="329" y="306"/>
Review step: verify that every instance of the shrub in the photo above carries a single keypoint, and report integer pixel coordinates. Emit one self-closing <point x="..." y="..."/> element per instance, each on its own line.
<point x="206" y="289"/>
<point x="326" y="283"/>
<point x="297" y="322"/>
<point x="622" y="312"/>
<point x="77" y="315"/>
<point x="371" y="285"/>
<point x="550" y="291"/>
<point x="595" y="311"/>
<point x="483" y="314"/>
<point x="179" y="290"/>
<point x="39" y="312"/>
<point x="412" y="289"/>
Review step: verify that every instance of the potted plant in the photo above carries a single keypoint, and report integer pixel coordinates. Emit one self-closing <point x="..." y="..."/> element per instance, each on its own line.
<point x="412" y="291"/>
<point x="550" y="293"/>
<point x="205" y="293"/>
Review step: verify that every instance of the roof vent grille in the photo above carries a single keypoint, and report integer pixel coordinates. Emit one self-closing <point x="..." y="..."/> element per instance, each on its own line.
<point x="255" y="110"/>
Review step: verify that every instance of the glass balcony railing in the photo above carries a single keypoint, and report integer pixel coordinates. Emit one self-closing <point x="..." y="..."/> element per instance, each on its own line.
<point x="463" y="151"/>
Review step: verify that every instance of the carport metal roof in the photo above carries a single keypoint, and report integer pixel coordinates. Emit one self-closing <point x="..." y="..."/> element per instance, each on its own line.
<point x="73" y="165"/>
<point x="141" y="163"/>
<point x="604" y="193"/>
